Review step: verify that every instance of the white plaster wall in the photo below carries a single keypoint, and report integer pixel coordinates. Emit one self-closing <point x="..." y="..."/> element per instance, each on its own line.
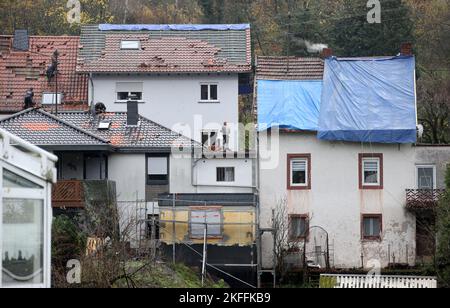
<point x="336" y="203"/>
<point x="438" y="156"/>
<point x="173" y="101"/>
<point x="204" y="178"/>
<point x="128" y="171"/>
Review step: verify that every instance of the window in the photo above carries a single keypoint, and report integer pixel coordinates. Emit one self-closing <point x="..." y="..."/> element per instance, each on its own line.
<point x="50" y="98"/>
<point x="130" y="45"/>
<point x="209" y="139"/>
<point x="372" y="227"/>
<point x="225" y="174"/>
<point x="426" y="177"/>
<point x="125" y="96"/>
<point x="298" y="227"/>
<point x="371" y="171"/>
<point x="299" y="171"/>
<point x="129" y="91"/>
<point x="95" y="167"/>
<point x="23" y="232"/>
<point x="209" y="93"/>
<point x="157" y="170"/>
<point x="210" y="217"/>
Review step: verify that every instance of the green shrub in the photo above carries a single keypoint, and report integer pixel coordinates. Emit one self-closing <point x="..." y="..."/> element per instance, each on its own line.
<point x="443" y="237"/>
<point x="68" y="243"/>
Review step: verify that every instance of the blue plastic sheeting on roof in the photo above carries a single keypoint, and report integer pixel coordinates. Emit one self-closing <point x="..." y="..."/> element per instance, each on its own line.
<point x="289" y="104"/>
<point x="110" y="27"/>
<point x="369" y="100"/>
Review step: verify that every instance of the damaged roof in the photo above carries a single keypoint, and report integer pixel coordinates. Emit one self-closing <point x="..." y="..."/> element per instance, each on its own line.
<point x="44" y="129"/>
<point x="289" y="68"/>
<point x="22" y="70"/>
<point x="165" y="51"/>
<point x="147" y="134"/>
<point x="74" y="129"/>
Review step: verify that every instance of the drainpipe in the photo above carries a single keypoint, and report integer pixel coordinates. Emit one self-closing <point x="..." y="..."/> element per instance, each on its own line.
<point x="92" y="91"/>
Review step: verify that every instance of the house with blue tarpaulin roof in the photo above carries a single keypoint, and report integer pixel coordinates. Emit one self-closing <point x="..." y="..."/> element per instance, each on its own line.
<point x="337" y="149"/>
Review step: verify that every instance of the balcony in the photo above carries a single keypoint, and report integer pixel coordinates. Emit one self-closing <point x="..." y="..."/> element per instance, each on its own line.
<point x="423" y="199"/>
<point x="68" y="194"/>
<point x="76" y="193"/>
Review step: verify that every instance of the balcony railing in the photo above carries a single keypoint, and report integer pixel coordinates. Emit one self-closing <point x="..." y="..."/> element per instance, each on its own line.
<point x="68" y="194"/>
<point x="423" y="199"/>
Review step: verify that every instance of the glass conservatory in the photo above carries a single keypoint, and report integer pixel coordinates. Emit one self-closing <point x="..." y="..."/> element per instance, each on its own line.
<point x="26" y="177"/>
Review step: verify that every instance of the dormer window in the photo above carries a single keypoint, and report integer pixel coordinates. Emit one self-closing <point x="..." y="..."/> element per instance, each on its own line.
<point x="130" y="45"/>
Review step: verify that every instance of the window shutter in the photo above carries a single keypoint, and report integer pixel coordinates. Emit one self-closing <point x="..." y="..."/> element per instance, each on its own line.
<point x="371" y="166"/>
<point x="157" y="166"/>
<point x="129" y="87"/>
<point x="299" y="165"/>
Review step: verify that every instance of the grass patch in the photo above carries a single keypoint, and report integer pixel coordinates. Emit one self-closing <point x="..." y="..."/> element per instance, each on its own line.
<point x="165" y="276"/>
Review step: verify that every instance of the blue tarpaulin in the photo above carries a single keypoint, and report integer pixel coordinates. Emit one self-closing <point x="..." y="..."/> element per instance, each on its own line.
<point x="289" y="104"/>
<point x="369" y="100"/>
<point x="187" y="27"/>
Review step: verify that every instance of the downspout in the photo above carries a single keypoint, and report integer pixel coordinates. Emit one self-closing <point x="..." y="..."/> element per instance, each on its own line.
<point x="92" y="91"/>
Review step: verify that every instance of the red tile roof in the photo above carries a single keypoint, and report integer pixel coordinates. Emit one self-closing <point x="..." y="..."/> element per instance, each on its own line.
<point x="163" y="55"/>
<point x="20" y="71"/>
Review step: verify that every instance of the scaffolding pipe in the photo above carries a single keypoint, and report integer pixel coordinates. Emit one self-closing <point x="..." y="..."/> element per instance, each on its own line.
<point x="205" y="243"/>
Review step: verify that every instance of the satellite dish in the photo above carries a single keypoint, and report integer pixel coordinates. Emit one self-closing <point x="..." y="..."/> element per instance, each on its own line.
<point x="420" y="131"/>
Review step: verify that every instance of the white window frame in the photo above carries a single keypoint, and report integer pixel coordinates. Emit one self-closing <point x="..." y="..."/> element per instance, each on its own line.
<point x="138" y="44"/>
<point x="424" y="166"/>
<point x="129" y="93"/>
<point x="43" y="194"/>
<point x="209" y="100"/>
<point x="363" y="169"/>
<point x="48" y="98"/>
<point x="291" y="176"/>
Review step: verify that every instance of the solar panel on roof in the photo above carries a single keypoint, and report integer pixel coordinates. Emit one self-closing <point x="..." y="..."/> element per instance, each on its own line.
<point x="21" y="40"/>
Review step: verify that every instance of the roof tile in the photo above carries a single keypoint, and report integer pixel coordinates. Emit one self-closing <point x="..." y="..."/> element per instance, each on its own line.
<point x="165" y="51"/>
<point x="289" y="68"/>
<point x="20" y="71"/>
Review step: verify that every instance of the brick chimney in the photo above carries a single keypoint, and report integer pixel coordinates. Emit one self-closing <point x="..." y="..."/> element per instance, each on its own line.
<point x="326" y="53"/>
<point x="406" y="49"/>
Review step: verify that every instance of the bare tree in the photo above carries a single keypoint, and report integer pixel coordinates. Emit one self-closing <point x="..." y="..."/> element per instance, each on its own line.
<point x="434" y="108"/>
<point x="285" y="243"/>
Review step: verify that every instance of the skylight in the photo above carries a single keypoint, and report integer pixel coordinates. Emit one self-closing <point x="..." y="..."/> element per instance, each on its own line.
<point x="104" y="125"/>
<point x="130" y="45"/>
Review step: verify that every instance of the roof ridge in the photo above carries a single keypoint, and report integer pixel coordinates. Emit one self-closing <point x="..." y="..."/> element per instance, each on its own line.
<point x="19" y="114"/>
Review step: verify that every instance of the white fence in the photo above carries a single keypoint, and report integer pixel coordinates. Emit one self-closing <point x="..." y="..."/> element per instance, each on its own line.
<point x="377" y="282"/>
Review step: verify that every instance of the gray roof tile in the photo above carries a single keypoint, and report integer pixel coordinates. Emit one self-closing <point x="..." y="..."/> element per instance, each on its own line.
<point x="44" y="129"/>
<point x="82" y="128"/>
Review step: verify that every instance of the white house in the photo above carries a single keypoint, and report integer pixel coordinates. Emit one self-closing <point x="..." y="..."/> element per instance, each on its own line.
<point x="26" y="177"/>
<point x="185" y="77"/>
<point x="143" y="165"/>
<point x="345" y="200"/>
